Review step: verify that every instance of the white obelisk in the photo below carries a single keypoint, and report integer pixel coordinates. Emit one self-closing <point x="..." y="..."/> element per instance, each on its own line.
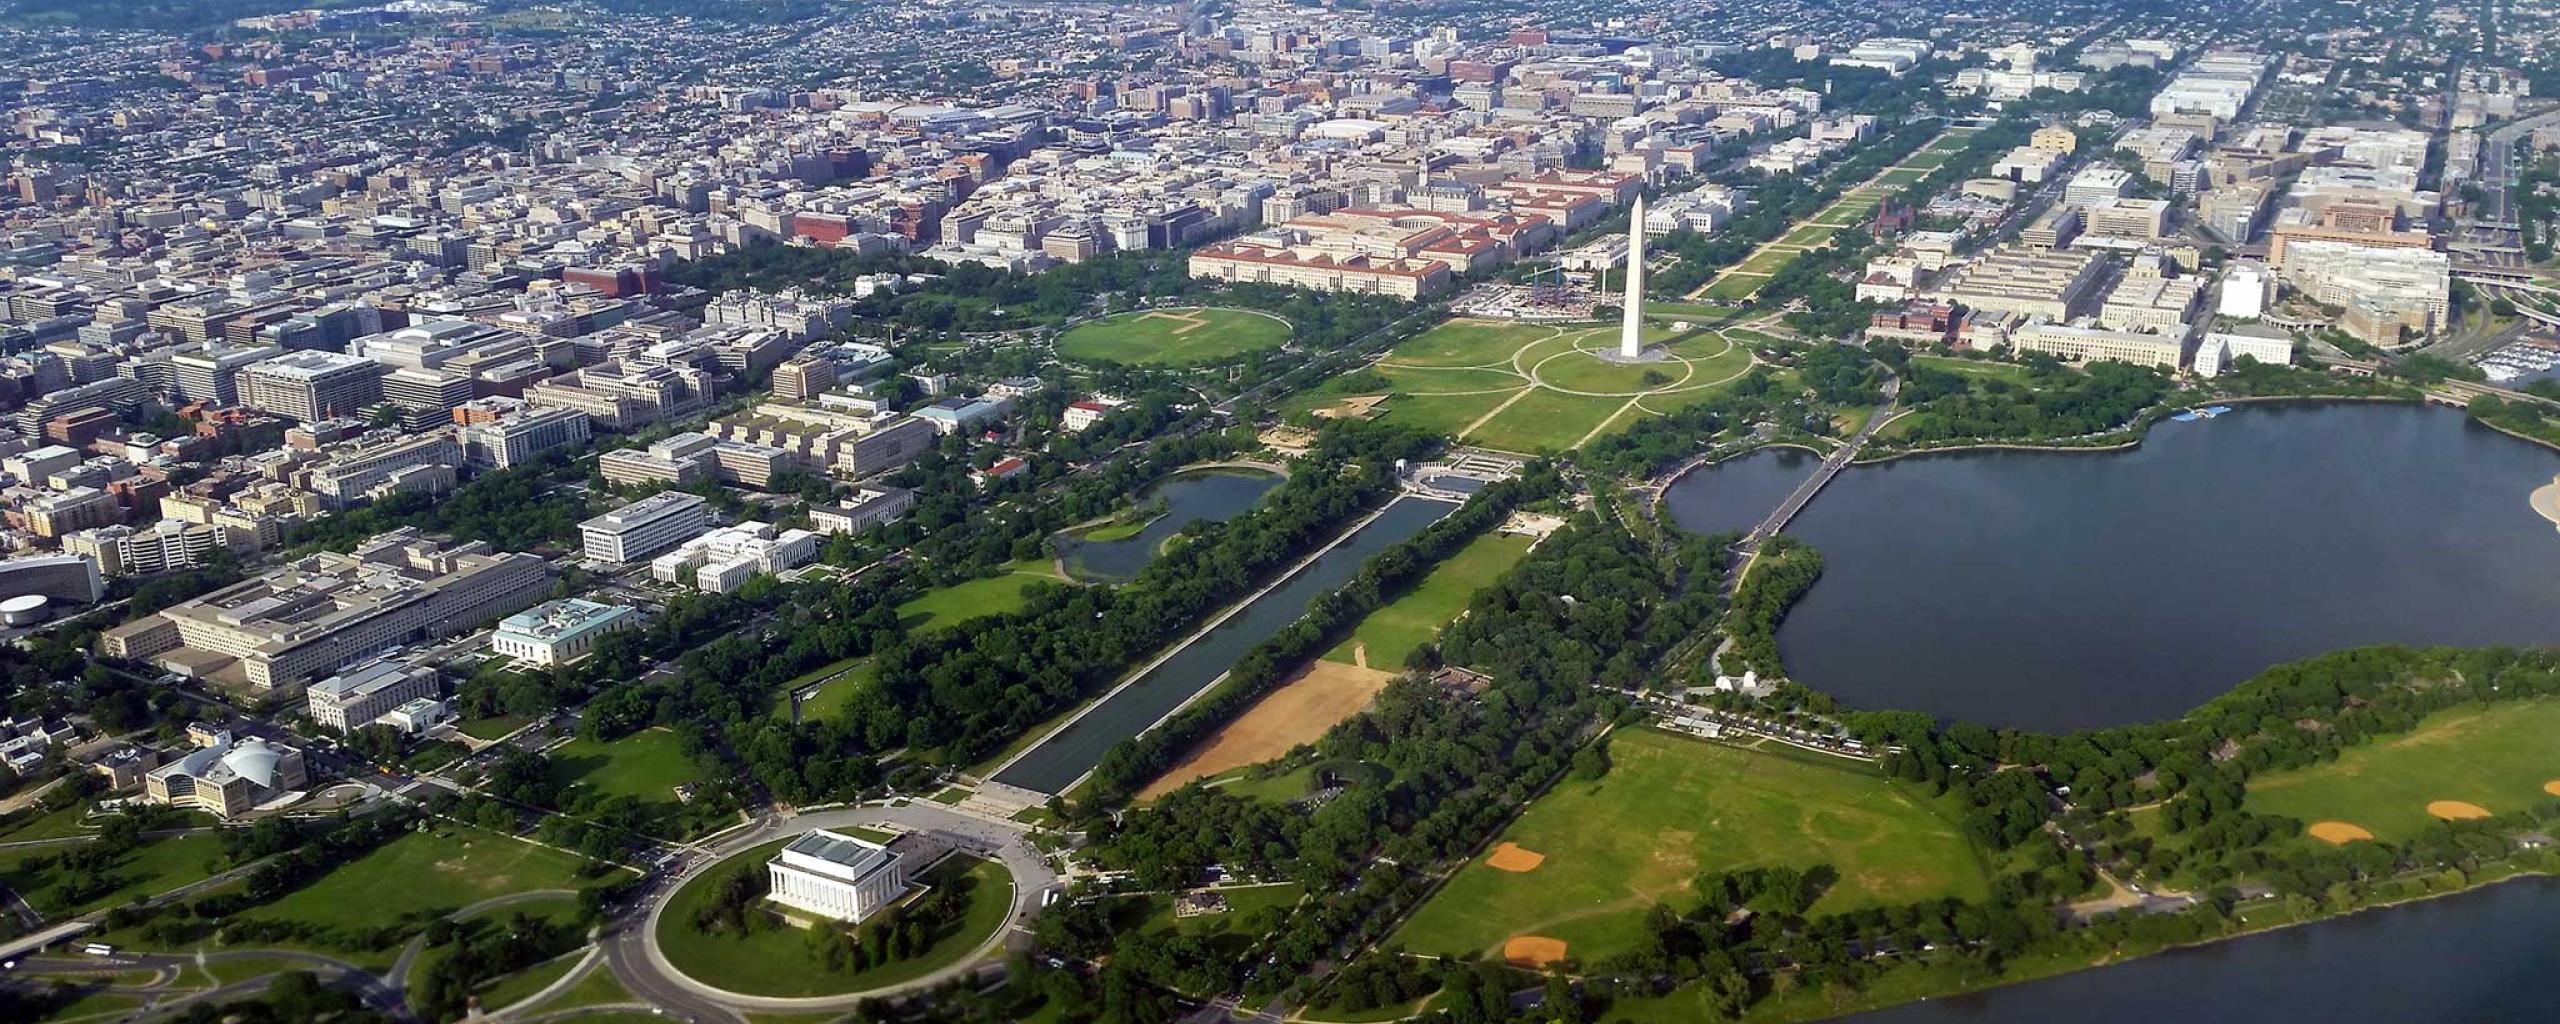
<point x="1631" y="329"/>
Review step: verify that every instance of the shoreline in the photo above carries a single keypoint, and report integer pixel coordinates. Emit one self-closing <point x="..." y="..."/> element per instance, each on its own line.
<point x="2075" y="967"/>
<point x="2143" y="422"/>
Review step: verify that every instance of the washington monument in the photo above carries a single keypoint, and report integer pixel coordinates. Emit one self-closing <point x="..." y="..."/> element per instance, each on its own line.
<point x="1631" y="328"/>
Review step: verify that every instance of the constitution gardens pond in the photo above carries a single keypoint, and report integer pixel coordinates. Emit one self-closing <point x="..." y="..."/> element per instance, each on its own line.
<point x="1114" y="552"/>
<point x="2066" y="590"/>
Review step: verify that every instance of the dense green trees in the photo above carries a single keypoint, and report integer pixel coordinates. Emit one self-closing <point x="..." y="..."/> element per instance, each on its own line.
<point x="1132" y="762"/>
<point x="1784" y="570"/>
<point x="2056" y="403"/>
<point x="1442" y="769"/>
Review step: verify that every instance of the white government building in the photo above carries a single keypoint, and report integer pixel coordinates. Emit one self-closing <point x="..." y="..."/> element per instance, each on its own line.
<point x="837" y="876"/>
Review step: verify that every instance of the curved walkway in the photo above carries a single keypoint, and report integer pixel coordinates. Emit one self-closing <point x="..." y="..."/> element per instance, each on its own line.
<point x="397" y="978"/>
<point x="643" y="968"/>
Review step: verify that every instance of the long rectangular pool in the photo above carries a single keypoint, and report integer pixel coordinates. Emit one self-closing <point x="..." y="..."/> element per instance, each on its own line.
<point x="1063" y="757"/>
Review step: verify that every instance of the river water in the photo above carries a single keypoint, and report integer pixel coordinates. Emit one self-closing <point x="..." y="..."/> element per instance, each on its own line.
<point x="1066" y="755"/>
<point x="1213" y="495"/>
<point x="2059" y="591"/>
<point x="2489" y="956"/>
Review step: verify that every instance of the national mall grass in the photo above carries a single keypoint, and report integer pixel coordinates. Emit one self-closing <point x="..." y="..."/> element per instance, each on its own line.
<point x="1529" y="387"/>
<point x="1672" y="807"/>
<point x="1392" y="632"/>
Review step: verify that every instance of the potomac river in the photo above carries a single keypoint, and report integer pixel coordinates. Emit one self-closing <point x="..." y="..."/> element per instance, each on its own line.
<point x="2068" y="590"/>
<point x="2482" y="957"/>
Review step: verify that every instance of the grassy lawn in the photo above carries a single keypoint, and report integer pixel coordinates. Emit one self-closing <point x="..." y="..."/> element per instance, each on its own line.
<point x="514" y="988"/>
<point x="1544" y="420"/>
<point x="491" y="728"/>
<point x="1853" y="419"/>
<point x="1276" y="789"/>
<point x="94" y="1006"/>
<point x="1901" y="176"/>
<point x="598" y="988"/>
<point x="1412" y="620"/>
<point x="2498" y="757"/>
<point x="775" y="960"/>
<point x="1672" y="807"/>
<point x="961" y="602"/>
<point x="427" y="873"/>
<point x="1461" y="372"/>
<point x="235" y="971"/>
<point x="1468" y="343"/>
<point x="1710" y="314"/>
<point x="646" y="766"/>
<point x="31" y="824"/>
<point x="1173" y="337"/>
<point x="1443" y="414"/>
<point x="152" y="868"/>
<point x="2011" y="372"/>
<point x="829" y="700"/>
<point x="1735" y="286"/>
<point x="1242" y="903"/>
<point x="1811" y="236"/>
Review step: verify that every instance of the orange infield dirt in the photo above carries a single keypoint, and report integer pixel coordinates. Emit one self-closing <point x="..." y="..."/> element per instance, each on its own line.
<point x="2338" y="832"/>
<point x="1298" y="712"/>
<point x="1532" y="950"/>
<point x="1515" y="858"/>
<point x="2456" y="810"/>
<point x="2552" y="787"/>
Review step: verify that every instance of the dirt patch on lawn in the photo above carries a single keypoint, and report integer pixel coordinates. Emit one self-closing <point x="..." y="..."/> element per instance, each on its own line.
<point x="2552" y="787"/>
<point x="1515" y="858"/>
<point x="1316" y="699"/>
<point x="2339" y="833"/>
<point x="1532" y="951"/>
<point x="2456" y="810"/>
<point x="1355" y="408"/>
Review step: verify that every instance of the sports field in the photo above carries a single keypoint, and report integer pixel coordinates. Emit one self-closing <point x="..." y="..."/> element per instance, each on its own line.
<point x="2500" y="758"/>
<point x="1528" y="387"/>
<point x="1173" y="337"/>
<point x="1598" y="854"/>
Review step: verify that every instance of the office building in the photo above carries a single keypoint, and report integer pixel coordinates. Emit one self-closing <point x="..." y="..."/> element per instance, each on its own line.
<point x="311" y="386"/>
<point x="68" y="578"/>
<point x="351" y="700"/>
<point x="2083" y="344"/>
<point x="645" y="528"/>
<point x="211" y="372"/>
<point x="722" y="560"/>
<point x="521" y="435"/>
<point x="866" y="508"/>
<point x="166" y="546"/>
<point x="322" y="612"/>
<point x="2248" y="287"/>
<point x="2056" y="284"/>
<point x="2097" y="185"/>
<point x="2262" y="342"/>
